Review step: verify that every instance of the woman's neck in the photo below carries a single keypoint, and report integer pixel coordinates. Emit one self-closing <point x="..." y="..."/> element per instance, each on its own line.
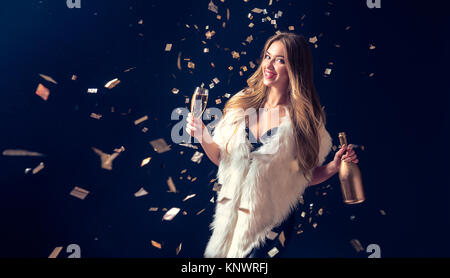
<point x="275" y="97"/>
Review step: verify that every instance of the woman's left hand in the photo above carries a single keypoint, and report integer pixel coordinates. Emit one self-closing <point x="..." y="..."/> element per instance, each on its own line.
<point x="347" y="154"/>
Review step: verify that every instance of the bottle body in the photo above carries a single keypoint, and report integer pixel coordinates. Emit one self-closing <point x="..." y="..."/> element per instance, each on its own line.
<point x="350" y="178"/>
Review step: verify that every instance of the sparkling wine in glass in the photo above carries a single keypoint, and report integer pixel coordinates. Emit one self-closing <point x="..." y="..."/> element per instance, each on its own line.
<point x="198" y="102"/>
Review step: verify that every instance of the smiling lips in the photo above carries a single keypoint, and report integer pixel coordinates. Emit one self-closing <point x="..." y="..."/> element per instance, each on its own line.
<point x="269" y="75"/>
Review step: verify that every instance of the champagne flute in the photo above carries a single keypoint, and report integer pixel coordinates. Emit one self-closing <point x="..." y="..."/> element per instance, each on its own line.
<point x="198" y="102"/>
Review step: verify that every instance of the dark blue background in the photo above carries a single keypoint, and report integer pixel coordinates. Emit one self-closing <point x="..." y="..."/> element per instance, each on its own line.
<point x="400" y="115"/>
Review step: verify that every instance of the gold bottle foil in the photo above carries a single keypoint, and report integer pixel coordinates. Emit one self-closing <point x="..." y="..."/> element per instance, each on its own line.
<point x="350" y="177"/>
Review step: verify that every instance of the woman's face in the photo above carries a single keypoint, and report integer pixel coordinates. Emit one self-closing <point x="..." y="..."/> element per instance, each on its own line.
<point x="274" y="66"/>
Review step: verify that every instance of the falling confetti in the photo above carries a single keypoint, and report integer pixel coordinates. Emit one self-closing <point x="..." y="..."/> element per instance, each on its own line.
<point x="42" y="91"/>
<point x="140" y="120"/>
<point x="160" y="145"/>
<point x="169" y="215"/>
<point x="55" y="252"/>
<point x="17" y="152"/>
<point x="80" y="193"/>
<point x="113" y="83"/>
<point x="48" y="78"/>
<point x="141" y="192"/>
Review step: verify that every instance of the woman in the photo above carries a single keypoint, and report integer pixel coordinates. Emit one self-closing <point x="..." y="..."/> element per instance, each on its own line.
<point x="263" y="180"/>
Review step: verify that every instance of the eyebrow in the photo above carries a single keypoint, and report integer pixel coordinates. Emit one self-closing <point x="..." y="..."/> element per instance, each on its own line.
<point x="267" y="52"/>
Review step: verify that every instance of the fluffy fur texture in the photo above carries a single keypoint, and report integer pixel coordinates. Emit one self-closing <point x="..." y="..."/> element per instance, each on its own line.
<point x="259" y="189"/>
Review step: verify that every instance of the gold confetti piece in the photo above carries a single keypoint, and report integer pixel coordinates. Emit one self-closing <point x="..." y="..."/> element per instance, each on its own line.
<point x="327" y="71"/>
<point x="184" y="213"/>
<point x="213" y="7"/>
<point x="140" y="120"/>
<point x="189" y="197"/>
<point x="210" y="34"/>
<point x="382" y="212"/>
<point x="212" y="200"/>
<point x="189" y="145"/>
<point x="43" y="92"/>
<point x="227" y="95"/>
<point x="168" y="47"/>
<point x="153" y="209"/>
<point x="249" y="39"/>
<point x="92" y="90"/>
<point x="303" y="214"/>
<point x="357" y="245"/>
<point x="38" y="168"/>
<point x="160" y="145"/>
<point x="74" y="77"/>
<point x="320" y="212"/>
<point x="252" y="65"/>
<point x="164" y="209"/>
<point x="371" y="47"/>
<point x="197" y="157"/>
<point x="179" y="249"/>
<point x="141" y="192"/>
<point x="244" y="68"/>
<point x="299" y="232"/>
<point x="241" y="73"/>
<point x="16" y="152"/>
<point x="235" y="54"/>
<point x="179" y="61"/>
<point x="79" y="192"/>
<point x="205" y="50"/>
<point x="191" y="65"/>
<point x="251" y="25"/>
<point x="183" y="171"/>
<point x="48" y="78"/>
<point x="171" y="185"/>
<point x="212" y="65"/>
<point x="187" y="100"/>
<point x="272" y="235"/>
<point x="219" y="17"/>
<point x="141" y="21"/>
<point x="257" y="10"/>
<point x="302" y="201"/>
<point x="314" y="225"/>
<point x="129" y="69"/>
<point x="198" y="213"/>
<point x="113" y="83"/>
<point x="194" y="179"/>
<point x="145" y="161"/>
<point x="371" y="74"/>
<point x="168" y="216"/>
<point x="313" y="39"/>
<point x="347" y="28"/>
<point x="106" y="159"/>
<point x="144" y="129"/>
<point x="291" y="28"/>
<point x="96" y="116"/>
<point x="230" y="68"/>
<point x="273" y="252"/>
<point x="228" y="14"/>
<point x="216" y="80"/>
<point x="156" y="244"/>
<point x="282" y="238"/>
<point x="55" y="252"/>
<point x="218" y="101"/>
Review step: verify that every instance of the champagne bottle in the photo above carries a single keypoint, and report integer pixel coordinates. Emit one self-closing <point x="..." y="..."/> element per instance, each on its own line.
<point x="350" y="177"/>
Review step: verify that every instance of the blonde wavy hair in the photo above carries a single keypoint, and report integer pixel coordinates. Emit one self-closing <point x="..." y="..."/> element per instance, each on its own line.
<point x="304" y="106"/>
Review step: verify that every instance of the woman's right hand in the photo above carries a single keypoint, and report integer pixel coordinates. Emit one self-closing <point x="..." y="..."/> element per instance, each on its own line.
<point x="196" y="128"/>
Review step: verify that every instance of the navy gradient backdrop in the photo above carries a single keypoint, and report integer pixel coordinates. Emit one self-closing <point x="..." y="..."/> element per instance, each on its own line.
<point x="400" y="114"/>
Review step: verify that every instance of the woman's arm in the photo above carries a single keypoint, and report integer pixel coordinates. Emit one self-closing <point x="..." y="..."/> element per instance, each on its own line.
<point x="197" y="129"/>
<point x="323" y="173"/>
<point x="212" y="150"/>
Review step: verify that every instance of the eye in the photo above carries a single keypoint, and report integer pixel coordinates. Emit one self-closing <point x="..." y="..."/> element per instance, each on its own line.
<point x="267" y="57"/>
<point x="280" y="60"/>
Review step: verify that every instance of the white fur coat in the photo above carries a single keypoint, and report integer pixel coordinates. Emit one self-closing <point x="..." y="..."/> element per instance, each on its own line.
<point x="259" y="189"/>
